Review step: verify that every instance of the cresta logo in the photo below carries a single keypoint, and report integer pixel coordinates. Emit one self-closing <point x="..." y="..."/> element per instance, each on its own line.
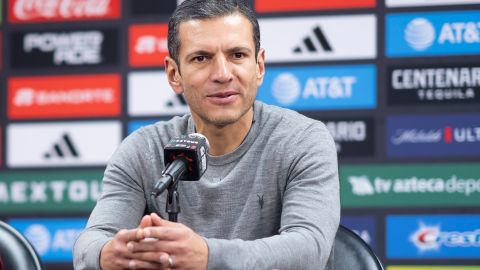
<point x="431" y="238"/>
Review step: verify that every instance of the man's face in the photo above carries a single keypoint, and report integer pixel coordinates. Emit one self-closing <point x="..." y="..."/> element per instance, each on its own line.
<point x="217" y="73"/>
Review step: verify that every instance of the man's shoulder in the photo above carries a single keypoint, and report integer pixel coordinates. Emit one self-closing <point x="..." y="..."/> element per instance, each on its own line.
<point x="163" y="130"/>
<point x="287" y="118"/>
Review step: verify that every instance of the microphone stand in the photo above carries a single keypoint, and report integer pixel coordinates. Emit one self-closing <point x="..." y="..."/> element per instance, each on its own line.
<point x="169" y="181"/>
<point x="172" y="206"/>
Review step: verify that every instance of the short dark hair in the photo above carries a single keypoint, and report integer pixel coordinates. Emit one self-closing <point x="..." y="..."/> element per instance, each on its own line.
<point x="208" y="9"/>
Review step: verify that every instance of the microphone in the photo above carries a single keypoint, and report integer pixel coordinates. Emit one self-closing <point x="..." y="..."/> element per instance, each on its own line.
<point x="185" y="158"/>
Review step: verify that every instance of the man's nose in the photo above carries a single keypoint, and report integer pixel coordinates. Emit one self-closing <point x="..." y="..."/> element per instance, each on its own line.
<point x="222" y="70"/>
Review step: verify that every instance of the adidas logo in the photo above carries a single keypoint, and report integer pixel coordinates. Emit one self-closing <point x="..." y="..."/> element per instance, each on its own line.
<point x="178" y="101"/>
<point x="63" y="149"/>
<point x="309" y="43"/>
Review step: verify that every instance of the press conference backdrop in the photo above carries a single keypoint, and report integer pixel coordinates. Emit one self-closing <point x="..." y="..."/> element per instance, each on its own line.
<point x="397" y="82"/>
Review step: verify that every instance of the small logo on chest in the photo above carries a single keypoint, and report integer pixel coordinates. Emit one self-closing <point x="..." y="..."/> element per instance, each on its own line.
<point x="260" y="200"/>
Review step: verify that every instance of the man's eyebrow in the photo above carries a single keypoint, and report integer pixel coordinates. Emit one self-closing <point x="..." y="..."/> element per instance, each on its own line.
<point x="239" y="49"/>
<point x="199" y="52"/>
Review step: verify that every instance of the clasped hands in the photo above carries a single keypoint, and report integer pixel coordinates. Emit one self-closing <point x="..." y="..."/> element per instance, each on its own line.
<point x="155" y="244"/>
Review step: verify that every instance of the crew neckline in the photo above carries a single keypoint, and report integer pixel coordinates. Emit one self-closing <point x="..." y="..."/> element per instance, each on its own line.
<point x="243" y="147"/>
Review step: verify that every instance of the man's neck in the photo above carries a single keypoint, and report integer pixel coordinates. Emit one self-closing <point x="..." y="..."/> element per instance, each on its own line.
<point x="225" y="139"/>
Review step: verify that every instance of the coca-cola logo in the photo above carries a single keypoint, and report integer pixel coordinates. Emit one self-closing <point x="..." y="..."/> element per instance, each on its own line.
<point x="59" y="10"/>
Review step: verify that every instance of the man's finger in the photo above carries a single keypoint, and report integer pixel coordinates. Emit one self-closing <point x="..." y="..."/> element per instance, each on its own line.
<point x="146" y="222"/>
<point x="151" y="246"/>
<point x="164" y="233"/>
<point x="158" y="258"/>
<point x="158" y="221"/>
<point x="130" y="235"/>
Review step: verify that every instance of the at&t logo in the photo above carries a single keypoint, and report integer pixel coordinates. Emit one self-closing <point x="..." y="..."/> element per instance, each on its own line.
<point x="420" y="34"/>
<point x="287" y="88"/>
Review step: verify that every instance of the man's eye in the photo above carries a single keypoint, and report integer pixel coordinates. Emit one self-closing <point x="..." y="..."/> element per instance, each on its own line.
<point x="238" y="55"/>
<point x="200" y="58"/>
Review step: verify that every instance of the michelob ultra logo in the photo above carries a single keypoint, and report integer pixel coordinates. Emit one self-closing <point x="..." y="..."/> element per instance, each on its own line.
<point x="433" y="135"/>
<point x="433" y="33"/>
<point x="64" y="96"/>
<point x="50" y="192"/>
<point x="53" y="239"/>
<point x="433" y="236"/>
<point x="320" y="88"/>
<point x="408" y="185"/>
<point x="148" y="44"/>
<point x="29" y="11"/>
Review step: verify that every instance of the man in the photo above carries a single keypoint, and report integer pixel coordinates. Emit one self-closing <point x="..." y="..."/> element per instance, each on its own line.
<point x="269" y="198"/>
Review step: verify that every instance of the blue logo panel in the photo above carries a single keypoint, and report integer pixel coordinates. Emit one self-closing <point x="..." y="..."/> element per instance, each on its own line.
<point x="364" y="226"/>
<point x="320" y="88"/>
<point x="53" y="239"/>
<point x="433" y="136"/>
<point x="432" y="33"/>
<point x="134" y="125"/>
<point x="433" y="237"/>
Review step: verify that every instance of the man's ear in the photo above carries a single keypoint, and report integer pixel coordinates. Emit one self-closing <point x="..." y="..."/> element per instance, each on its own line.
<point x="173" y="75"/>
<point x="260" y="67"/>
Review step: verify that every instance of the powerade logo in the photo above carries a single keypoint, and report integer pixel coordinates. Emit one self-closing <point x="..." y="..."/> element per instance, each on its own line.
<point x="433" y="136"/>
<point x="320" y="88"/>
<point x="442" y="236"/>
<point x="433" y="33"/>
<point x="53" y="239"/>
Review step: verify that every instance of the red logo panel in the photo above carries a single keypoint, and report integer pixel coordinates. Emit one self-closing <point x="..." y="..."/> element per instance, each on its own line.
<point x="302" y="5"/>
<point x="64" y="96"/>
<point x="28" y="11"/>
<point x="148" y="45"/>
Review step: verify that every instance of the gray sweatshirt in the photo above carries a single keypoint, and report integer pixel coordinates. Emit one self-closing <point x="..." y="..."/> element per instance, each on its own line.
<point x="272" y="203"/>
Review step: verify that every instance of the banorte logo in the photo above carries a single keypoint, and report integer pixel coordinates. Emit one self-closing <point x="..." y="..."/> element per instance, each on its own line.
<point x="24" y="11"/>
<point x="430" y="238"/>
<point x="64" y="96"/>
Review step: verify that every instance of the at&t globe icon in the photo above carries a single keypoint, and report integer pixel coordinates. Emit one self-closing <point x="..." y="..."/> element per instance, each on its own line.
<point x="40" y="238"/>
<point x="286" y="88"/>
<point x="420" y="34"/>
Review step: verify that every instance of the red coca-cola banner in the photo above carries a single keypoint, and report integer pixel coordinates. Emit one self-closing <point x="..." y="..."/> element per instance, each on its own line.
<point x="303" y="5"/>
<point x="29" y="11"/>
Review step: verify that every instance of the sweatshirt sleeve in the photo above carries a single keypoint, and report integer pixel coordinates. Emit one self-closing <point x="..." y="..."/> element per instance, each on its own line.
<point x="121" y="189"/>
<point x="310" y="213"/>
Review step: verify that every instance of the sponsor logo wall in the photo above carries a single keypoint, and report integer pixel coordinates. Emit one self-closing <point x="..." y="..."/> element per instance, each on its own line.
<point x="396" y="82"/>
